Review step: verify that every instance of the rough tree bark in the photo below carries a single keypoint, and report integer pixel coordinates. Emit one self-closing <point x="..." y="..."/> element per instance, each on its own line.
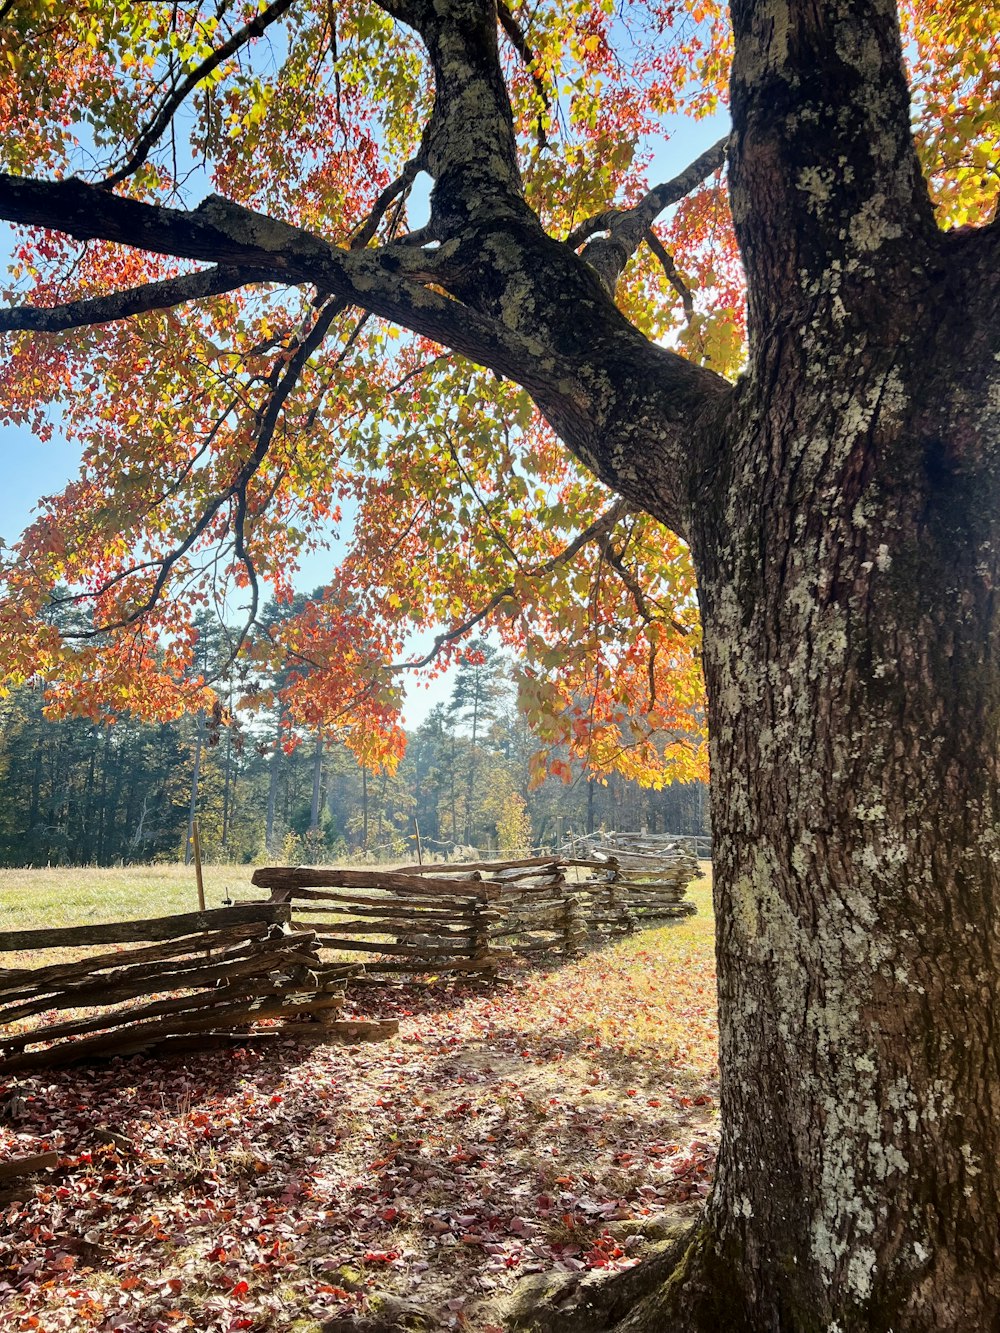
<point x="847" y="559"/>
<point x="842" y="505"/>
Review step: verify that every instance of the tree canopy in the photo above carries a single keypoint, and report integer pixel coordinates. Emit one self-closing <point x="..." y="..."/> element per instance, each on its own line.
<point x="229" y="289"/>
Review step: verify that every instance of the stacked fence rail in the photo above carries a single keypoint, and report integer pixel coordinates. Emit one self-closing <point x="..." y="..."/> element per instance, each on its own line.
<point x="558" y="901"/>
<point x="190" y="978"/>
<point x="437" y="924"/>
<point x="474" y="916"/>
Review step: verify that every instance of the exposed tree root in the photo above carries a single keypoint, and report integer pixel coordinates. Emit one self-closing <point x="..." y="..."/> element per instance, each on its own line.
<point x="574" y="1303"/>
<point x="683" y="1287"/>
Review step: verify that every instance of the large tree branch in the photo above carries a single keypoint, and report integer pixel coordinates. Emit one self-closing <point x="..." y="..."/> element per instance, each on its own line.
<point x="160" y="295"/>
<point x="497" y="289"/>
<point x="471" y="146"/>
<point x="607" y="391"/>
<point x="522" y="303"/>
<point x="390" y="281"/>
<point x="829" y="203"/>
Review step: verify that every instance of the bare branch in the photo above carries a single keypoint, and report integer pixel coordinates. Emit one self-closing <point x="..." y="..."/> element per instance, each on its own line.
<point x="267" y="419"/>
<point x="628" y="227"/>
<point x="150" y="135"/>
<point x="519" y="42"/>
<point x="596" y="530"/>
<point x="244" y="556"/>
<point x="643" y="604"/>
<point x="121" y="305"/>
<point x="670" y="269"/>
<point x="392" y="191"/>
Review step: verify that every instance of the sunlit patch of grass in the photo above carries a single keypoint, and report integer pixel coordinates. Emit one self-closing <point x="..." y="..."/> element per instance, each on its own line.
<point x="643" y="1003"/>
<point x="56" y="897"/>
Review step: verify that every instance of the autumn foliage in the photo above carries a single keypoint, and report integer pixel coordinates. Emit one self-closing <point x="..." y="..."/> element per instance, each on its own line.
<point x="226" y="439"/>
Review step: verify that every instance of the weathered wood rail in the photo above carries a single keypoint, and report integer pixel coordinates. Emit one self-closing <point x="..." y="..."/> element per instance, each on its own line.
<point x="473" y="916"/>
<point x="205" y="977"/>
<point x="573" y="897"/>
<point x="654" y="888"/>
<point x="401" y="924"/>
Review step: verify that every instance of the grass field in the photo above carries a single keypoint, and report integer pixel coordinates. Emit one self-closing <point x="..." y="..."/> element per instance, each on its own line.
<point x="68" y="897"/>
<point x="557" y="1122"/>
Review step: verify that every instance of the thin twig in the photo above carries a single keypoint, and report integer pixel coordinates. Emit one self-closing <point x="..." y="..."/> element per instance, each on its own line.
<point x="149" y="137"/>
<point x="470" y="482"/>
<point x="519" y="42"/>
<point x="673" y="276"/>
<point x="639" y="597"/>
<point x="403" y="181"/>
<point x="267" y="420"/>
<point x="603" y="523"/>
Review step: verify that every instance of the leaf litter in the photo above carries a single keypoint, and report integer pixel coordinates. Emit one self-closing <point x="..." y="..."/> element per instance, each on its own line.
<point x="551" y="1124"/>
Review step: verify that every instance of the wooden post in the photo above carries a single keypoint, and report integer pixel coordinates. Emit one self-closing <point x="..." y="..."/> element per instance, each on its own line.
<point x="196" y="843"/>
<point x="195" y="772"/>
<point x="420" y="850"/>
<point x="480" y="940"/>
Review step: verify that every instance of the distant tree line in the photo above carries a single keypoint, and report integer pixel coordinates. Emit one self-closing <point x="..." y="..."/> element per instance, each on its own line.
<point x="78" y="792"/>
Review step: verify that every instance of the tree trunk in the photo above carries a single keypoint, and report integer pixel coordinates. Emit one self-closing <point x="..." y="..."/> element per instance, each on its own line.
<point x="317" y="784"/>
<point x="470" y="788"/>
<point x="227" y="787"/>
<point x="845" y="535"/>
<point x="380" y="817"/>
<point x="846" y="577"/>
<point x="103" y="820"/>
<point x="85" y="854"/>
<point x="364" y="807"/>
<point x="451" y="778"/>
<point x="193" y="800"/>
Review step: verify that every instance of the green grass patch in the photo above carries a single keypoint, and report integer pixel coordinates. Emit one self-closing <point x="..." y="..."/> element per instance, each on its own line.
<point x="76" y="897"/>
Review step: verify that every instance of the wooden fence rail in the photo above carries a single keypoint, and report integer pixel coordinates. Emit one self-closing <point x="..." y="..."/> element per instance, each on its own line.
<point x="208" y="976"/>
<point x="400" y="923"/>
<point x="472" y="917"/>
<point x="558" y="902"/>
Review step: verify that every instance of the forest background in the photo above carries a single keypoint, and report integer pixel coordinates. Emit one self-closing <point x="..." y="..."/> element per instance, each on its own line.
<point x="84" y="792"/>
